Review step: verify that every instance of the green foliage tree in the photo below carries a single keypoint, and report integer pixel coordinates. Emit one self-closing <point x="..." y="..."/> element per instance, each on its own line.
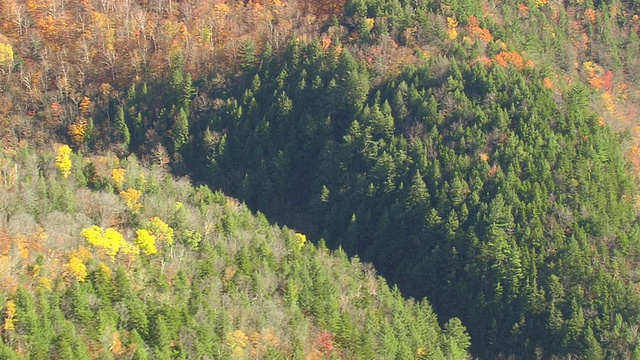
<point x="122" y="128"/>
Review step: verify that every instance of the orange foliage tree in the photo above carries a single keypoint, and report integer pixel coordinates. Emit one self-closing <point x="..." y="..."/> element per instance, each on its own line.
<point x="478" y="32"/>
<point x="512" y="58"/>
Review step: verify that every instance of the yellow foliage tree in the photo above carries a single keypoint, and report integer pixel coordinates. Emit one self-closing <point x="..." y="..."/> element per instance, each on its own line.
<point x="130" y="250"/>
<point x="110" y="239"/>
<point x="6" y="57"/>
<point x="146" y="242"/>
<point x="160" y="229"/>
<point x="78" y="131"/>
<point x="452" y="27"/>
<point x="259" y="343"/>
<point x="82" y="253"/>
<point x="9" y="316"/>
<point x="301" y="240"/>
<point x="116" y="344"/>
<point x="63" y="160"/>
<point x="105" y="269"/>
<point x="77" y="268"/>
<point x="608" y="102"/>
<point x="118" y="177"/>
<point x="370" y="23"/>
<point x="237" y="341"/>
<point x="131" y="197"/>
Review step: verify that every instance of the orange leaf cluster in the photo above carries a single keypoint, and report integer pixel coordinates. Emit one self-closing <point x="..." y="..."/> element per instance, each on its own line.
<point x="590" y="15"/>
<point x="511" y="58"/>
<point x="598" y="78"/>
<point x="85" y="106"/>
<point x="523" y="10"/>
<point x="259" y="343"/>
<point x="478" y="32"/>
<point x="325" y="42"/>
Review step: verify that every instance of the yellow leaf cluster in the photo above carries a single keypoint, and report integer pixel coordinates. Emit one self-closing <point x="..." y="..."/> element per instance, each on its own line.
<point x="160" y="229"/>
<point x="452" y="25"/>
<point x="131" y="197"/>
<point x="45" y="283"/>
<point x="6" y="55"/>
<point x="78" y="131"/>
<point x="237" y="341"/>
<point x="453" y="33"/>
<point x="193" y="238"/>
<point x="110" y="239"/>
<point x="9" y="316"/>
<point x="116" y="344"/>
<point x="130" y="250"/>
<point x="63" y="160"/>
<point x="23" y="246"/>
<point x="77" y="268"/>
<point x="105" y="269"/>
<point x="608" y="102"/>
<point x="370" y="23"/>
<point x="82" y="252"/>
<point x="146" y="241"/>
<point x="118" y="177"/>
<point x="592" y="68"/>
<point x="221" y="9"/>
<point x="452" y="22"/>
<point x="301" y="240"/>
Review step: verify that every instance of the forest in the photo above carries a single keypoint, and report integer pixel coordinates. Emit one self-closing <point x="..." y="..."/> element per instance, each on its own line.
<point x="316" y="180"/>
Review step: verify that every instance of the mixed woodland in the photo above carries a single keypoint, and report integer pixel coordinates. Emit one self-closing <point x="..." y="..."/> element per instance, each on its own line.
<point x="386" y="179"/>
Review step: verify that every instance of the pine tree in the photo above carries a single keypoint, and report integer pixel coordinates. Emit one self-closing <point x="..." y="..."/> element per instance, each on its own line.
<point x="180" y="130"/>
<point x="122" y="129"/>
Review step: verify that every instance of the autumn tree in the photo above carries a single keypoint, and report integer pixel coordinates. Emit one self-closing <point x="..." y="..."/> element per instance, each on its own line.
<point x="63" y="160"/>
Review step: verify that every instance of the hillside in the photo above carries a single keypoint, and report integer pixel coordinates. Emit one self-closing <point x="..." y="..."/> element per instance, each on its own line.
<point x="470" y="186"/>
<point x="480" y="153"/>
<point x="102" y="258"/>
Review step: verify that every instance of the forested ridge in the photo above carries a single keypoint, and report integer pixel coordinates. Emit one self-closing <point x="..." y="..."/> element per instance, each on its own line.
<point x="481" y="155"/>
<point x="104" y="258"/>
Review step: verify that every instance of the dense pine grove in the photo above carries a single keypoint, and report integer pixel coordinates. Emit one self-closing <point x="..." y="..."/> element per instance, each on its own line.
<point x="480" y="155"/>
<point x="467" y="185"/>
